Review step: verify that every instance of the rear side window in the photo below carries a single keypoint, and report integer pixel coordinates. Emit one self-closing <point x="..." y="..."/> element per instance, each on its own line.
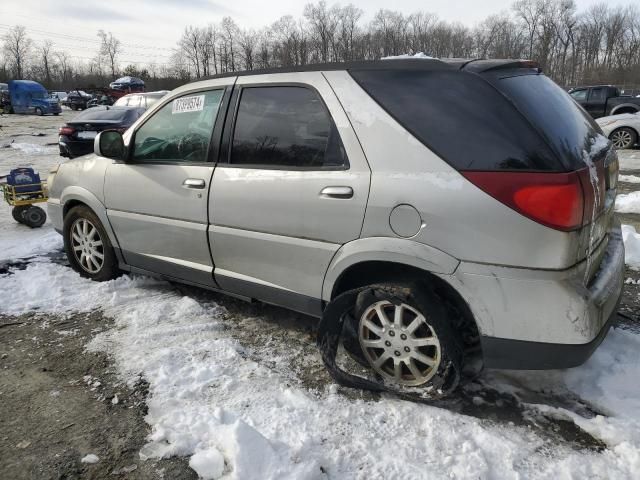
<point x="460" y="117"/>
<point x="597" y="95"/>
<point x="565" y="126"/>
<point x="285" y="127"/>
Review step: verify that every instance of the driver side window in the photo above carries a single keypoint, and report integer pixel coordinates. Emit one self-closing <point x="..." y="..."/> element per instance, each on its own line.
<point x="180" y="131"/>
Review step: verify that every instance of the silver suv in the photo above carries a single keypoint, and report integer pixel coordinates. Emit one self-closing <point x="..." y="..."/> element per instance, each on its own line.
<point x="454" y="210"/>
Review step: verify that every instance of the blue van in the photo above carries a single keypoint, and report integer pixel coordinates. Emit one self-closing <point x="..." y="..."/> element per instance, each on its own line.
<point x="28" y="96"/>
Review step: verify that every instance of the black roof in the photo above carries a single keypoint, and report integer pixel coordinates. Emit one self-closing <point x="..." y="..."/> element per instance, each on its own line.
<point x="475" y="65"/>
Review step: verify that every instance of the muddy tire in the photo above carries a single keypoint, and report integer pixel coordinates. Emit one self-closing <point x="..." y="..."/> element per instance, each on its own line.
<point x="18" y="212"/>
<point x="34" y="217"/>
<point x="407" y="337"/>
<point x="87" y="245"/>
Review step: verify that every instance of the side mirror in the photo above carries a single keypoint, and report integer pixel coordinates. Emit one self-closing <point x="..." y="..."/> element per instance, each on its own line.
<point x="110" y="144"/>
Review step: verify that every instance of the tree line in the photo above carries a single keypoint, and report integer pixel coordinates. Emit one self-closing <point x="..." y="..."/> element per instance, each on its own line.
<point x="598" y="45"/>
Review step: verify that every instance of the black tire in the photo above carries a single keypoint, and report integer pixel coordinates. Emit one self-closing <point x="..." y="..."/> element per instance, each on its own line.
<point x="56" y="114"/>
<point x="421" y="298"/>
<point x="18" y="212"/>
<point x="38" y="111"/>
<point x="109" y="267"/>
<point x="623" y="138"/>
<point x="34" y="217"/>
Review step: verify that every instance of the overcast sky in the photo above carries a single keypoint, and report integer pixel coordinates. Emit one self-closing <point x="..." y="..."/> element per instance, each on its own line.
<point x="148" y="29"/>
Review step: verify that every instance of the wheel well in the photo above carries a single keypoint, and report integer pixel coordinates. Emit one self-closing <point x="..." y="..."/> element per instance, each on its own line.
<point x="70" y="204"/>
<point x="368" y="273"/>
<point x="622" y="110"/>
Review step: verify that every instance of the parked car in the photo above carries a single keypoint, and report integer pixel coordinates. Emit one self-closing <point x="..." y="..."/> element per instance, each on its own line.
<point x="623" y="130"/>
<point x="77" y="135"/>
<point x="128" y="84"/>
<point x="140" y="100"/>
<point x="443" y="210"/>
<point x="77" y="100"/>
<point x="604" y="100"/>
<point x="27" y="96"/>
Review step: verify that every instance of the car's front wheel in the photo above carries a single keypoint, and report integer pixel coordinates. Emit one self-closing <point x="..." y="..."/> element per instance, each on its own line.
<point x="623" y="138"/>
<point x="87" y="245"/>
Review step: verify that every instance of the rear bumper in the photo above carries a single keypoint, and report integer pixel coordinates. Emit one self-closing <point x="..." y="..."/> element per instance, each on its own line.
<point x="74" y="148"/>
<point x="522" y="355"/>
<point x="537" y="319"/>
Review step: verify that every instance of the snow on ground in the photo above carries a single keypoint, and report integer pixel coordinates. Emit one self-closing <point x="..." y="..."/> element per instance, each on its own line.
<point x="629" y="159"/>
<point x="629" y="178"/>
<point x="631" y="246"/>
<point x="628" y="202"/>
<point x="210" y="401"/>
<point x="27" y="150"/>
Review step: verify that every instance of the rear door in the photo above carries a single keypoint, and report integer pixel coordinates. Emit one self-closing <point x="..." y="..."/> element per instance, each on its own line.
<point x="157" y="200"/>
<point x="290" y="188"/>
<point x="597" y="102"/>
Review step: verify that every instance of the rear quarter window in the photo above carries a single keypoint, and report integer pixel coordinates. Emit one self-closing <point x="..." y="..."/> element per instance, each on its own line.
<point x="460" y="117"/>
<point x="567" y="128"/>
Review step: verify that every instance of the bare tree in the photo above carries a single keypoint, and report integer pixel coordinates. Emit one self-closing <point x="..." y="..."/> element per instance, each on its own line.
<point x="110" y="49"/>
<point x="45" y="54"/>
<point x="17" y="47"/>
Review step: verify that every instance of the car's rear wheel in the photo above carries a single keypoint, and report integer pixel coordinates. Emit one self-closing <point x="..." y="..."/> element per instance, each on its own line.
<point x="407" y="338"/>
<point x="87" y="245"/>
<point x="38" y="111"/>
<point x="623" y="138"/>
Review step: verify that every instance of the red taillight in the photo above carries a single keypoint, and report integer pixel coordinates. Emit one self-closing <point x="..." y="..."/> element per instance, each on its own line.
<point x="552" y="199"/>
<point x="66" y="130"/>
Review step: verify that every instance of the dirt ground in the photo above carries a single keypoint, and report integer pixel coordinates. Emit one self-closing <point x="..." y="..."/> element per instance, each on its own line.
<point x="59" y="403"/>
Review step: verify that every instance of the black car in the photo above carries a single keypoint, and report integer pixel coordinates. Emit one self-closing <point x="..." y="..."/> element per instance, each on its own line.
<point x="77" y="100"/>
<point x="604" y="100"/>
<point x="76" y="136"/>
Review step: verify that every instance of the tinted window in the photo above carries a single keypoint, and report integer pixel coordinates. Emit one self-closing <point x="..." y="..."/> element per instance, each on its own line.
<point x="180" y="131"/>
<point x="580" y="95"/>
<point x="597" y="95"/>
<point x="460" y="117"/>
<point x="285" y="127"/>
<point x="567" y="128"/>
<point x="97" y="114"/>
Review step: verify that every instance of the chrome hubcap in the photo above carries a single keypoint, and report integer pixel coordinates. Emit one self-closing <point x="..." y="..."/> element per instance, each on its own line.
<point x="399" y="343"/>
<point x="621" y="139"/>
<point x="87" y="245"/>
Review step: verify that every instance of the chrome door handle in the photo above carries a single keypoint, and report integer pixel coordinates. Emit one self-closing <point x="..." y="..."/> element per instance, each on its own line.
<point x="194" y="183"/>
<point x="337" y="192"/>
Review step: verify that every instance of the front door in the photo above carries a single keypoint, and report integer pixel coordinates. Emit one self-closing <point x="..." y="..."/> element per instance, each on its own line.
<point x="157" y="200"/>
<point x="291" y="189"/>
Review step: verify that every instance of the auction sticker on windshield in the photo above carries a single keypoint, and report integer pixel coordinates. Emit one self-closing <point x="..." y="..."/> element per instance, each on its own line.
<point x="188" y="104"/>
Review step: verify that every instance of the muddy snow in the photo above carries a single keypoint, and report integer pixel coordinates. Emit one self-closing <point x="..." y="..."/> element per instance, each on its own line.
<point x="222" y="389"/>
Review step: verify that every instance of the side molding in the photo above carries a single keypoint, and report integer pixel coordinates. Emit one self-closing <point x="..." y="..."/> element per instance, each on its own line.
<point x="387" y="249"/>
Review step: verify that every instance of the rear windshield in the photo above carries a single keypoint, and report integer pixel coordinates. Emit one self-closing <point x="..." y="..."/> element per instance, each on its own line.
<point x="461" y="117"/>
<point x="566" y="127"/>
<point x="97" y="114"/>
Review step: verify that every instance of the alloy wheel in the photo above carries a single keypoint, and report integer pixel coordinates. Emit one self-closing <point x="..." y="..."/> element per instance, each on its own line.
<point x="399" y="343"/>
<point x="621" y="139"/>
<point x="87" y="245"/>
